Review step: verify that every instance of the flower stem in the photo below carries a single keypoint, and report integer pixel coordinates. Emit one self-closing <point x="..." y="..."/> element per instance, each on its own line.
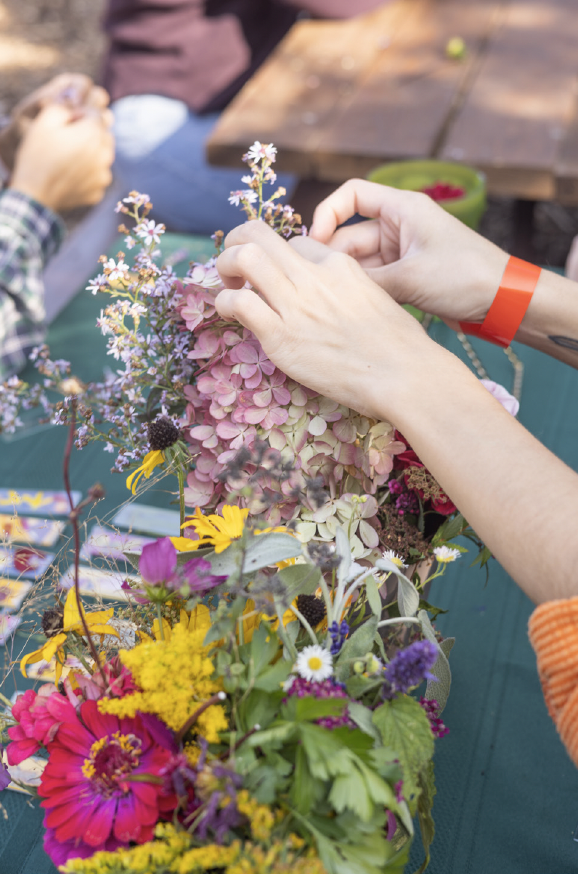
<point x="181" y="479"/>
<point x="160" y="621"/>
<point x="215" y="699"/>
<point x="398" y="619"/>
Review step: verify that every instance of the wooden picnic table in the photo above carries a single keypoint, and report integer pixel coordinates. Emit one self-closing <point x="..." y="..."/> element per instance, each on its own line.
<point x="338" y="98"/>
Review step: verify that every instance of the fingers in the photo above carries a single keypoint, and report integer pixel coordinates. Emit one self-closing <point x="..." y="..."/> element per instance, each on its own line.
<point x="310" y="249"/>
<point x="253" y="313"/>
<point x="248" y="262"/>
<point x="357" y="196"/>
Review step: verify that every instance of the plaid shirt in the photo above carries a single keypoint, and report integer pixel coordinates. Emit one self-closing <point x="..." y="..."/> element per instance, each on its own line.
<point x="29" y="235"/>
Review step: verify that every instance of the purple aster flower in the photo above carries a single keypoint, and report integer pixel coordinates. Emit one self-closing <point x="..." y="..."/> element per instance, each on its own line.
<point x="158" y="567"/>
<point x="410" y="666"/>
<point x="158" y="562"/>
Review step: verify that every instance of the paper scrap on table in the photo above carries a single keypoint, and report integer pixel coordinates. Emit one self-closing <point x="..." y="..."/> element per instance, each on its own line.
<point x="27" y="772"/>
<point x="30" y="529"/>
<point x="38" y="503"/>
<point x="151" y="520"/>
<point x="104" y="543"/>
<point x="8" y="625"/>
<point x="95" y="582"/>
<point x="24" y="561"/>
<point x="45" y="671"/>
<point x="12" y="593"/>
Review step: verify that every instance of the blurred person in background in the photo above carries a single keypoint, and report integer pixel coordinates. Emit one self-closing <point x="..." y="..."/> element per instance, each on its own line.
<point x="172" y="67"/>
<point x="57" y="151"/>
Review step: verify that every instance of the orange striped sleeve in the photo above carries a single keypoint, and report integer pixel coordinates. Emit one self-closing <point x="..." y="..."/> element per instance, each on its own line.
<point x="553" y="630"/>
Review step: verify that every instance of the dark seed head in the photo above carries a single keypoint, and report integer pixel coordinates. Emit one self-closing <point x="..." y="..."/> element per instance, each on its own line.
<point x="312" y="608"/>
<point x="52" y="621"/>
<point x="162" y="433"/>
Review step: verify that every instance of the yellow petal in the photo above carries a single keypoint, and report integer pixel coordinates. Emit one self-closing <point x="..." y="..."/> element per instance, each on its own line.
<point x="104" y="629"/>
<point x="71" y="611"/>
<point x="53" y="645"/>
<point x="184" y="544"/>
<point x="58" y="667"/>
<point x="29" y="659"/>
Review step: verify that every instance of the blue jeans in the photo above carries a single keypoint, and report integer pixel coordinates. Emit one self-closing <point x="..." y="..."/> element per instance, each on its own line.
<point x="160" y="151"/>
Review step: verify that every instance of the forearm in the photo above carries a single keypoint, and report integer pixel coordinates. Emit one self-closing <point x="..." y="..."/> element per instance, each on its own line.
<point x="519" y="498"/>
<point x="551" y="321"/>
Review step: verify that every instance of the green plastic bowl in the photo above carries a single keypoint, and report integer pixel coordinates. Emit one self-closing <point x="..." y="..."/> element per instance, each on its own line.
<point x="417" y="175"/>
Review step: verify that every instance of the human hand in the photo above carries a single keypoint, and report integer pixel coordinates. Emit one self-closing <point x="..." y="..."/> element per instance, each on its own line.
<point x="74" y="90"/>
<point x="63" y="162"/>
<point x="412" y="248"/>
<point x="322" y="321"/>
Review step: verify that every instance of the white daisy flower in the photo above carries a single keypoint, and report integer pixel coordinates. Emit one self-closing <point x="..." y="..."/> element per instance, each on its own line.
<point x="314" y="663"/>
<point x="394" y="558"/>
<point x="445" y="554"/>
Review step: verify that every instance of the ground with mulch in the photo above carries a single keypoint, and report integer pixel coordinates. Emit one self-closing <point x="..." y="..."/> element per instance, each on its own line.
<point x="40" y="38"/>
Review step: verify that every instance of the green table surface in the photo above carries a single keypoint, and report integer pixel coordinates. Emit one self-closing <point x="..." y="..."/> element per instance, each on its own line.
<point x="507" y="793"/>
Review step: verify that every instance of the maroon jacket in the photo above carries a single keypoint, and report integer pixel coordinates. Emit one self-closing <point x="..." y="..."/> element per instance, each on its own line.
<point x="201" y="51"/>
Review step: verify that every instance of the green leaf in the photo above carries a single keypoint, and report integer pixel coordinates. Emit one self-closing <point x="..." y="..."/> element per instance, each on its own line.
<point x="424" y="809"/>
<point x="264" y="646"/>
<point x="265" y="550"/>
<point x="483" y="557"/>
<point x="440" y="688"/>
<point x="373" y="596"/>
<point x="435" y="611"/>
<point x="259" y="708"/>
<point x="282" y="732"/>
<point x="356" y="646"/>
<point x="404" y="726"/>
<point x="306" y="791"/>
<point x="407" y="594"/>
<point x="362" y="716"/>
<point x="451" y="528"/>
<point x="299" y="579"/>
<point x="358" y="685"/>
<point x="349" y="792"/>
<point x="273" y="678"/>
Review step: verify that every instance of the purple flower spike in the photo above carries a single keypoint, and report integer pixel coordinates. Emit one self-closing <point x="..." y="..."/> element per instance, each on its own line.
<point x="197" y="575"/>
<point x="410" y="666"/>
<point x="158" y="562"/>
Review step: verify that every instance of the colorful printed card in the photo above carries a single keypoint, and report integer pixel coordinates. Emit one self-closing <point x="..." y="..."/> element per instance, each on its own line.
<point x="24" y="561"/>
<point x="95" y="582"/>
<point x="151" y="520"/>
<point x="36" y="502"/>
<point x="12" y="593"/>
<point x="104" y="543"/>
<point x="29" y="529"/>
<point x="8" y="625"/>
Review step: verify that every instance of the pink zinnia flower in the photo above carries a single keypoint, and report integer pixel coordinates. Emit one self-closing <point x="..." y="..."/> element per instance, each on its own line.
<point x="38" y="716"/>
<point x="89" y="788"/>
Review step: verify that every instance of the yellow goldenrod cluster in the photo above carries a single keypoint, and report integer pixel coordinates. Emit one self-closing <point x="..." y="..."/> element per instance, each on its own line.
<point x="261" y="818"/>
<point x="175" y="678"/>
<point x="158" y="855"/>
<point x="171" y="853"/>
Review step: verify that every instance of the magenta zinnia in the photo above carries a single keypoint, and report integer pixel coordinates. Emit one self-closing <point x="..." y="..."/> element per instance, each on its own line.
<point x="95" y="785"/>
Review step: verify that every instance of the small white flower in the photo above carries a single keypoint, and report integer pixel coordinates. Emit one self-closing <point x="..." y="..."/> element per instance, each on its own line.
<point x="261" y="150"/>
<point x="115" y="271"/>
<point x="394" y="558"/>
<point x="314" y="663"/>
<point x="150" y="232"/>
<point x="445" y="554"/>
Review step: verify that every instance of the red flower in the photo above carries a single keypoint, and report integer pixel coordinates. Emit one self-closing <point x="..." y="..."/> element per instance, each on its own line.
<point x="95" y="785"/>
<point x="443" y="505"/>
<point x="38" y="716"/>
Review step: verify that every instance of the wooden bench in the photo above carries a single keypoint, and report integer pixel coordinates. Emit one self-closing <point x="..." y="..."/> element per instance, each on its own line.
<point x="338" y="98"/>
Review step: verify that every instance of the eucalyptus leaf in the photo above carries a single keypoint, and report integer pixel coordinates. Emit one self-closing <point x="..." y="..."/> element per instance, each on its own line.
<point x="440" y="689"/>
<point x="343" y="550"/>
<point x="373" y="596"/>
<point x="299" y="579"/>
<point x="407" y="594"/>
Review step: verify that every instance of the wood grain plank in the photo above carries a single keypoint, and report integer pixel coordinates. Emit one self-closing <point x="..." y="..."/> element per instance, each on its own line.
<point x="567" y="164"/>
<point x="296" y="91"/>
<point x="521" y="102"/>
<point x="402" y="105"/>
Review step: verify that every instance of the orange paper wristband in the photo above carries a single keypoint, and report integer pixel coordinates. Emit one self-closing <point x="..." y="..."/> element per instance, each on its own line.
<point x="509" y="305"/>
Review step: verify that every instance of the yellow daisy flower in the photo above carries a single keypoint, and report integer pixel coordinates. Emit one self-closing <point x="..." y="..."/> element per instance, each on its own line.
<point x="152" y="459"/>
<point x="72" y="621"/>
<point x="219" y="531"/>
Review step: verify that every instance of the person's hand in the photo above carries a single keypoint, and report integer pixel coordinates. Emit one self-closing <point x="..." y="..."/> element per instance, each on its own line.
<point x="63" y="162"/>
<point x="413" y="249"/>
<point x="322" y="321"/>
<point x="73" y="90"/>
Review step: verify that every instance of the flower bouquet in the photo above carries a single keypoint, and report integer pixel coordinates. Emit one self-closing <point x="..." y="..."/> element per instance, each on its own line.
<point x="256" y="704"/>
